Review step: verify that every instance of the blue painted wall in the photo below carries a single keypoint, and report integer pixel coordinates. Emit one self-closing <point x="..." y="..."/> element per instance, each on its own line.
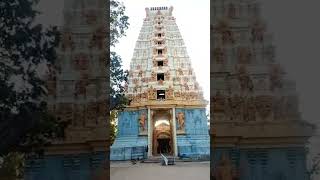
<point x="64" y="167"/>
<point x="195" y="121"/>
<point x="266" y="164"/>
<point x="128" y="144"/>
<point x="195" y="141"/>
<point x="128" y="123"/>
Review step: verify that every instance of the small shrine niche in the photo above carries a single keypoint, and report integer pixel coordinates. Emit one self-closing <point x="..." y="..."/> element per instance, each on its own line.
<point x="160" y="76"/>
<point x="143" y="123"/>
<point x="180" y="118"/>
<point x="161" y="94"/>
<point x="232" y="11"/>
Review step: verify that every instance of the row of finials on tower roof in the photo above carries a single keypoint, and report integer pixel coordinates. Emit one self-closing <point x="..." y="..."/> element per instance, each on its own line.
<point x="159" y="8"/>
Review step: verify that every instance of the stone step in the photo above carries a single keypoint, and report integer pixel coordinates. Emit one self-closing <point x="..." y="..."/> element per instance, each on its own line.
<point x="156" y="159"/>
<point x="153" y="159"/>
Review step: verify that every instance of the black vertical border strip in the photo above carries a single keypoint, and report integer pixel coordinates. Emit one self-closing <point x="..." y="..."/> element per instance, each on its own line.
<point x="107" y="24"/>
<point x="211" y="131"/>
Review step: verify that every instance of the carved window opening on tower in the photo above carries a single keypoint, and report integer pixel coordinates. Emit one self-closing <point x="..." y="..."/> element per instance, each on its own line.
<point x="160" y="76"/>
<point x="159" y="35"/>
<point x="160" y="63"/>
<point x="161" y="94"/>
<point x="232" y="11"/>
<point x="159" y="51"/>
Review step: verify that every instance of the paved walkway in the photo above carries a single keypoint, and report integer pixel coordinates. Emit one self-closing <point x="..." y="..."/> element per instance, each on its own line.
<point x="154" y="171"/>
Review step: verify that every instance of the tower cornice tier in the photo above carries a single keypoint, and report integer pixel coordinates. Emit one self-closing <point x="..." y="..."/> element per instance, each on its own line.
<point x="164" y="106"/>
<point x="182" y="103"/>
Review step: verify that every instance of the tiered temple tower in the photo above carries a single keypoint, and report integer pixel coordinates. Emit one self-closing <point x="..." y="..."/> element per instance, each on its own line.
<point x="77" y="96"/>
<point x="258" y="129"/>
<point x="167" y="109"/>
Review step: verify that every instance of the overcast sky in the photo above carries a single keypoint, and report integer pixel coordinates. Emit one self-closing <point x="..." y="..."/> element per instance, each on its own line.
<point x="293" y="23"/>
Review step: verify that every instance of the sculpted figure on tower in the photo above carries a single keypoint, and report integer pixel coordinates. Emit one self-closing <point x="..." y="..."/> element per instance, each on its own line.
<point x="180" y="119"/>
<point x="142" y="121"/>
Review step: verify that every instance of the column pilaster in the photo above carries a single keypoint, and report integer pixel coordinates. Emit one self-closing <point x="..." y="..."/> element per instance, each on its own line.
<point x="149" y="133"/>
<point x="175" y="146"/>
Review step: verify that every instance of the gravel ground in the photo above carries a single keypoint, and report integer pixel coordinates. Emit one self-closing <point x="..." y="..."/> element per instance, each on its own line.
<point x="154" y="171"/>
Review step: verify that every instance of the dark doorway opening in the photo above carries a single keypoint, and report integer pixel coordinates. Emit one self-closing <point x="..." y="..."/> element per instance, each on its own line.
<point x="160" y="76"/>
<point x="164" y="146"/>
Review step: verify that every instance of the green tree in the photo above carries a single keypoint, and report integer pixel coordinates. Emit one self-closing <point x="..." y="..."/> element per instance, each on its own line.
<point x="118" y="21"/>
<point x="25" y="50"/>
<point x="11" y="167"/>
<point x="113" y="126"/>
<point x="118" y="77"/>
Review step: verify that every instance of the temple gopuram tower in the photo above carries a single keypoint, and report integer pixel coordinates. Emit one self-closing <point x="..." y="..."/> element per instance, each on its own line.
<point x="167" y="111"/>
<point x="77" y="96"/>
<point x="257" y="128"/>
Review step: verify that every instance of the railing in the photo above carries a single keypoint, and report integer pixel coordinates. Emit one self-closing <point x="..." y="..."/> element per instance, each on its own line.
<point x="165" y="159"/>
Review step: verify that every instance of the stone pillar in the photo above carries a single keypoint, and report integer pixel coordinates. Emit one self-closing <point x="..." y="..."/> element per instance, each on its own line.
<point x="175" y="146"/>
<point x="149" y="133"/>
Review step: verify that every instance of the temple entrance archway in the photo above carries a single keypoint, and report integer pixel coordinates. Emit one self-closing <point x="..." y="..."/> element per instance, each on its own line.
<point x="164" y="144"/>
<point x="162" y="133"/>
